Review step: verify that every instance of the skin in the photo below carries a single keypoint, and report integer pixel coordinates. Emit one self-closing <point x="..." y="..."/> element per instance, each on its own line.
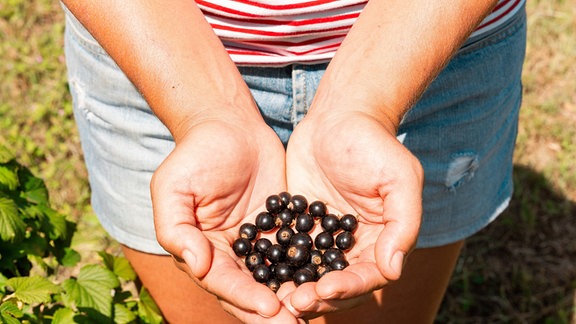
<point x="219" y="174"/>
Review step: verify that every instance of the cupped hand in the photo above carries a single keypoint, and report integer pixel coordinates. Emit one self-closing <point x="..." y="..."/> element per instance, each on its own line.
<point x="355" y="164"/>
<point x="216" y="179"/>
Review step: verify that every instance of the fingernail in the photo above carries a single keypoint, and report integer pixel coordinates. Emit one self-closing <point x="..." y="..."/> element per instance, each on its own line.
<point x="397" y="262"/>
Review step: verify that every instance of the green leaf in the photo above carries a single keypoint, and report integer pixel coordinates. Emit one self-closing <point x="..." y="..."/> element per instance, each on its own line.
<point x="5" y="154"/>
<point x="8" y="177"/>
<point x="11" y="226"/>
<point x="92" y="289"/>
<point x="32" y="290"/>
<point x="123" y="315"/>
<point x="34" y="188"/>
<point x="148" y="311"/>
<point x="71" y="257"/>
<point x="119" y="265"/>
<point x="9" y="312"/>
<point x="64" y="316"/>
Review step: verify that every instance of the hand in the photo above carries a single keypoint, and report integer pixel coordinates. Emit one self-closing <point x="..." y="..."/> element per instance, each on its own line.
<point x="217" y="178"/>
<point x="355" y="164"/>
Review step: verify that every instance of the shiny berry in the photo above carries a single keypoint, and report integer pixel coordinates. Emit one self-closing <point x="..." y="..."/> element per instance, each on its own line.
<point x="274" y="204"/>
<point x="332" y="254"/>
<point x="248" y="231"/>
<point x="299" y="203"/>
<point x="283" y="272"/>
<point x="345" y="240"/>
<point x="284" y="218"/>
<point x="261" y="273"/>
<point x="297" y="255"/>
<point x="265" y="221"/>
<point x="303" y="239"/>
<point x="285" y="197"/>
<point x="262" y="244"/>
<point x="276" y="253"/>
<point x="303" y="275"/>
<point x="324" y="241"/>
<point x="274" y="284"/>
<point x="330" y="223"/>
<point x="317" y="209"/>
<point x="284" y="235"/>
<point x="316" y="257"/>
<point x="242" y="246"/>
<point x="339" y="264"/>
<point x="321" y="270"/>
<point x="304" y="223"/>
<point x="253" y="259"/>
<point x="349" y="222"/>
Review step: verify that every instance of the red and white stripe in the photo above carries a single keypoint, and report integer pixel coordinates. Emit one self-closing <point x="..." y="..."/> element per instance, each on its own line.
<point x="272" y="32"/>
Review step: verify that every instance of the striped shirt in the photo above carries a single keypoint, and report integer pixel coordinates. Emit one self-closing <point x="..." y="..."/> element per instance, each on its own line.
<point x="272" y="32"/>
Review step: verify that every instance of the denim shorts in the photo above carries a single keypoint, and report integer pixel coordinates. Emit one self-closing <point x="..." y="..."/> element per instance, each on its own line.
<point x="463" y="130"/>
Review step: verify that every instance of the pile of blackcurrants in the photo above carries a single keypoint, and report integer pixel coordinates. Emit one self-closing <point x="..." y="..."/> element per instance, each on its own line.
<point x="295" y="256"/>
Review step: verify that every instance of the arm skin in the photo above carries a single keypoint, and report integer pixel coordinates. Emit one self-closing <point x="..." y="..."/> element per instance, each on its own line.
<point x="226" y="160"/>
<point x="345" y="151"/>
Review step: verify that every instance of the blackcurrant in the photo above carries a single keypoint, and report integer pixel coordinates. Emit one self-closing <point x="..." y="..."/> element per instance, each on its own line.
<point x="330" y="223"/>
<point x="283" y="271"/>
<point x="297" y="255"/>
<point x="316" y="257"/>
<point x="284" y="218"/>
<point x="284" y="235"/>
<point x="304" y="223"/>
<point x="265" y="221"/>
<point x="248" y="231"/>
<point x="285" y="197"/>
<point x="349" y="222"/>
<point x="299" y="203"/>
<point x="242" y="247"/>
<point x="274" y="204"/>
<point x="303" y="239"/>
<point x="345" y="240"/>
<point x="339" y="264"/>
<point x="253" y="259"/>
<point x="261" y="273"/>
<point x="324" y="241"/>
<point x="262" y="244"/>
<point x="274" y="284"/>
<point x="321" y="270"/>
<point x="317" y="209"/>
<point x="276" y="253"/>
<point x="332" y="254"/>
<point x="303" y="275"/>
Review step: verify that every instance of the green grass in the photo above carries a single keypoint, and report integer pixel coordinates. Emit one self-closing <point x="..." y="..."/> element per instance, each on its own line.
<point x="521" y="269"/>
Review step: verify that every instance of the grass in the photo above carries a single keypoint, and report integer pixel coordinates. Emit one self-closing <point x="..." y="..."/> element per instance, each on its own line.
<point x="520" y="269"/>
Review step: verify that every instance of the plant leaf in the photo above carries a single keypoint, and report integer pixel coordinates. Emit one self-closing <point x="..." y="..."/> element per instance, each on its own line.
<point x="32" y="290"/>
<point x="64" y="316"/>
<point x="5" y="154"/>
<point x="12" y="227"/>
<point x="119" y="265"/>
<point x="92" y="289"/>
<point x="148" y="311"/>
<point x="8" y="177"/>
<point x="123" y="315"/>
<point x="71" y="257"/>
<point x="9" y="312"/>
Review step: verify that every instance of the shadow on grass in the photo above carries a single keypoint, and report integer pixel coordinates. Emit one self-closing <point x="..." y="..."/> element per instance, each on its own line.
<point x="521" y="268"/>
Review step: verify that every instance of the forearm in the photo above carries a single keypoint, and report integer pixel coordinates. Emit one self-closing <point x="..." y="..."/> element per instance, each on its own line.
<point x="173" y="57"/>
<point x="392" y="53"/>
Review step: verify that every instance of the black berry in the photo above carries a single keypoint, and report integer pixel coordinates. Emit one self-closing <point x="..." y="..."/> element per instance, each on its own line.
<point x="261" y="273"/>
<point x="303" y="275"/>
<point x="274" y="204"/>
<point x="345" y="240"/>
<point x="349" y="223"/>
<point x="284" y="218"/>
<point x="262" y="244"/>
<point x="316" y="257"/>
<point x="297" y="255"/>
<point x="284" y="235"/>
<point x="274" y="284"/>
<point x="299" y="203"/>
<point x="265" y="221"/>
<point x="317" y="209"/>
<point x="248" y="231"/>
<point x="324" y="241"/>
<point x="339" y="264"/>
<point x="321" y="270"/>
<point x="253" y="259"/>
<point x="303" y="239"/>
<point x="276" y="253"/>
<point x="242" y="247"/>
<point x="283" y="272"/>
<point x="330" y="223"/>
<point x="332" y="254"/>
<point x="285" y="197"/>
<point x="304" y="223"/>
